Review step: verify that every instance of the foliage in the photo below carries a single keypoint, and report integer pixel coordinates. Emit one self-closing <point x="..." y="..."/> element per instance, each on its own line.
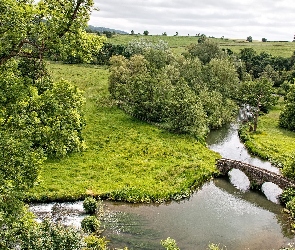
<point x="45" y="115"/>
<point x="287" y="195"/>
<point x="249" y="39"/>
<point x="107" y="51"/>
<point x="205" y="50"/>
<point x="257" y="95"/>
<point x="259" y="64"/>
<point x="159" y="87"/>
<point x="90" y="224"/>
<point x="30" y="29"/>
<point x="287" y="117"/>
<point x="15" y="220"/>
<point x="95" y="243"/>
<point x="146" y="33"/>
<point x="79" y="47"/>
<point x="47" y="235"/>
<point x="38" y="117"/>
<point x="90" y="205"/>
<point x="169" y="244"/>
<point x="289" y="169"/>
<point x="290" y="205"/>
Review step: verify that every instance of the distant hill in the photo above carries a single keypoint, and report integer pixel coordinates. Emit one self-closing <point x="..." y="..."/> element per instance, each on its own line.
<point x="102" y="29"/>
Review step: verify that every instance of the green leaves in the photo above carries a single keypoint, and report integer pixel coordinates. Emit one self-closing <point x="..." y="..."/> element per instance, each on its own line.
<point x="180" y="94"/>
<point x="32" y="29"/>
<point x="287" y="117"/>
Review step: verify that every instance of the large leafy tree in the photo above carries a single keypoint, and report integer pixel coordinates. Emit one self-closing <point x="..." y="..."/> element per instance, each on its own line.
<point x="181" y="94"/>
<point x="38" y="118"/>
<point x="256" y="95"/>
<point x="29" y="30"/>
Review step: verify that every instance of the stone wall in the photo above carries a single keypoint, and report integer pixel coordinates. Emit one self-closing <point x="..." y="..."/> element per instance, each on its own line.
<point x="256" y="175"/>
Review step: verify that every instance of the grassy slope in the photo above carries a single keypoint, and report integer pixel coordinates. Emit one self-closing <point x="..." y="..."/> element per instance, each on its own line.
<point x="271" y="142"/>
<point x="126" y="159"/>
<point x="178" y="44"/>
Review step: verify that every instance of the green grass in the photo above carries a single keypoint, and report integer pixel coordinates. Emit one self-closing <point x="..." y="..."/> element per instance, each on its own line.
<point x="126" y="159"/>
<point x="270" y="141"/>
<point x="179" y="43"/>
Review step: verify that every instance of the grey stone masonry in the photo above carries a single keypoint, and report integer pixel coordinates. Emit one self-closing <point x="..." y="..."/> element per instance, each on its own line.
<point x="255" y="174"/>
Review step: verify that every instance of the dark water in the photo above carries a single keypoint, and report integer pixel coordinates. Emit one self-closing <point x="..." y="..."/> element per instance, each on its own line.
<point x="219" y="212"/>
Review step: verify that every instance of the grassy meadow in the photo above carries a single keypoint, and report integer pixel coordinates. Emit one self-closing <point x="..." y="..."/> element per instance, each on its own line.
<point x="125" y="159"/>
<point x="179" y="43"/>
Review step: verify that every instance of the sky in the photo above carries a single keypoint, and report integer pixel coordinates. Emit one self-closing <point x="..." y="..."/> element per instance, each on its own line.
<point x="237" y="19"/>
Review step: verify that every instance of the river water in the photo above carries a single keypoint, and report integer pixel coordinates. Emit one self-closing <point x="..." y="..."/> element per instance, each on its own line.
<point x="223" y="211"/>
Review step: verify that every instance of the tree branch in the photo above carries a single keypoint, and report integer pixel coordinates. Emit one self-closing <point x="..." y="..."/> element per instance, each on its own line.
<point x="73" y="17"/>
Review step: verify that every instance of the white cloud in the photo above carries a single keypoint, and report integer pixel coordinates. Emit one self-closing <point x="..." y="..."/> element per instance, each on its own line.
<point x="271" y="19"/>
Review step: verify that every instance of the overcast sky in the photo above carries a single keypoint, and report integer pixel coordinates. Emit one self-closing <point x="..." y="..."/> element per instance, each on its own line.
<point x="271" y="19"/>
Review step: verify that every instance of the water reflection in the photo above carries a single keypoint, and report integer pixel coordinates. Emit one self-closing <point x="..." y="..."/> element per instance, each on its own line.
<point x="228" y="216"/>
<point x="219" y="212"/>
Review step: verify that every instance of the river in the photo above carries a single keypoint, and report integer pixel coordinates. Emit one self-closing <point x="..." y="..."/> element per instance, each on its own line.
<point x="222" y="211"/>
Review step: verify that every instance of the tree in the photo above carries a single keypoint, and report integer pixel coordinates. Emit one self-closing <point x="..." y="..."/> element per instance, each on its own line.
<point x="132" y="32"/>
<point x="264" y="40"/>
<point x="30" y="30"/>
<point x="146" y="33"/>
<point x="202" y="38"/>
<point x="256" y="95"/>
<point x="38" y="118"/>
<point x="164" y="34"/>
<point x="205" y="51"/>
<point x="287" y="116"/>
<point x="249" y="39"/>
<point x="178" y="93"/>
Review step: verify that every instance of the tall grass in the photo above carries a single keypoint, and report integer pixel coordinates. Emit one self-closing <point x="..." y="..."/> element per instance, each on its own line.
<point x="126" y="159"/>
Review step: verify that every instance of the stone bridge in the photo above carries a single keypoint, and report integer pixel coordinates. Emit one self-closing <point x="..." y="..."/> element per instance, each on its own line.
<point x="256" y="175"/>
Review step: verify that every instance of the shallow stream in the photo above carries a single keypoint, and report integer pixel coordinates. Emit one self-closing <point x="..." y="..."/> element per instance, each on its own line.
<point x="220" y="212"/>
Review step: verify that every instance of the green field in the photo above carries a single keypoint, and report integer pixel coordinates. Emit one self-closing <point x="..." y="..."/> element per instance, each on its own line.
<point x="126" y="159"/>
<point x="179" y="43"/>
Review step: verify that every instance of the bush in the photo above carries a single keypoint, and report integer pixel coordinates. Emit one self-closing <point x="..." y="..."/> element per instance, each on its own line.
<point x="95" y="243"/>
<point x="287" y="117"/>
<point x="90" y="205"/>
<point x="90" y="224"/>
<point x="287" y="195"/>
<point x="48" y="236"/>
<point x="169" y="244"/>
<point x="291" y="207"/>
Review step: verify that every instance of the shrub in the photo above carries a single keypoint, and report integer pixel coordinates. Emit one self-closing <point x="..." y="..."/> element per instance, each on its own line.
<point x="287" y="117"/>
<point x="287" y="195"/>
<point x="169" y="244"/>
<point x="90" y="224"/>
<point x="47" y="236"/>
<point x="95" y="243"/>
<point x="291" y="206"/>
<point x="90" y="205"/>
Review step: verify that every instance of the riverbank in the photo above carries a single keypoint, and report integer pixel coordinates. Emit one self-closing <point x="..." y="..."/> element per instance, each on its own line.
<point x="125" y="159"/>
<point x="271" y="142"/>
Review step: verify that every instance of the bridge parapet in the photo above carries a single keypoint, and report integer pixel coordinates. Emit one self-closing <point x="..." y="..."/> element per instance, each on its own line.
<point x="255" y="174"/>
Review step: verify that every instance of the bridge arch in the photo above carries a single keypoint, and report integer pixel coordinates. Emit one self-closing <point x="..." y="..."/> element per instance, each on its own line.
<point x="256" y="175"/>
